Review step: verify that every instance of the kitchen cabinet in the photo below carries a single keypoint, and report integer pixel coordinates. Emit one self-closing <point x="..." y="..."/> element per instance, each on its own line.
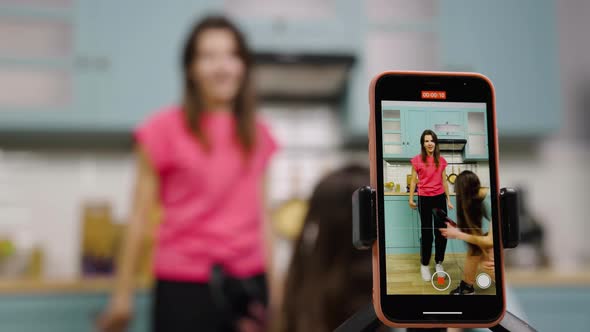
<point x="393" y="133"/>
<point x="116" y="71"/>
<point x="416" y="121"/>
<point x="63" y="312"/>
<point x="476" y="148"/>
<point x="68" y="82"/>
<point x="447" y="124"/>
<point x="403" y="127"/>
<point x="300" y="27"/>
<point x="111" y="73"/>
<point x="401" y="132"/>
<point x="40" y="78"/>
<point x="514" y="46"/>
<point x="401" y="226"/>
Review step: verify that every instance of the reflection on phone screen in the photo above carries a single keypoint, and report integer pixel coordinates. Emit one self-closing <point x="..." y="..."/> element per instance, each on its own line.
<point x="436" y="180"/>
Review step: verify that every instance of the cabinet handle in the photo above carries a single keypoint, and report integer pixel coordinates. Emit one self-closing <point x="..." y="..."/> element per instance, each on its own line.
<point x="82" y="62"/>
<point x="102" y="63"/>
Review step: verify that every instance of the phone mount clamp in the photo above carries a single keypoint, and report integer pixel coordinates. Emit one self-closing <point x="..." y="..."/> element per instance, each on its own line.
<point x="364" y="234"/>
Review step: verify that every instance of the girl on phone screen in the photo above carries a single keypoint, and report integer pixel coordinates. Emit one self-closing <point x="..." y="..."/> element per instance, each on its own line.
<point x="428" y="168"/>
<point x="472" y="208"/>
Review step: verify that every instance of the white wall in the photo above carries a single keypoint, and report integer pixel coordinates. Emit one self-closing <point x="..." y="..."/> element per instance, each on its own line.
<point x="43" y="192"/>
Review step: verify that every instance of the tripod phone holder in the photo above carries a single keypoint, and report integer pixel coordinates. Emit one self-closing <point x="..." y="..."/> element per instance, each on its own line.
<point x="364" y="234"/>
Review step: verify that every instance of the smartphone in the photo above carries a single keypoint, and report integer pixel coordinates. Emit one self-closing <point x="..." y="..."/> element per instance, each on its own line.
<point x="435" y="133"/>
<point x="442" y="215"/>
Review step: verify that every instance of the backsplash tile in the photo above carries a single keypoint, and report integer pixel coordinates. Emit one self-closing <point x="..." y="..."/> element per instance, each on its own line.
<point x="397" y="171"/>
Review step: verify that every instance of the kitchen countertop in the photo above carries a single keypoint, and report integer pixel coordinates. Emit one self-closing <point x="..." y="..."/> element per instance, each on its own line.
<point x="391" y="193"/>
<point x="63" y="286"/>
<point x="547" y="278"/>
<point x="515" y="278"/>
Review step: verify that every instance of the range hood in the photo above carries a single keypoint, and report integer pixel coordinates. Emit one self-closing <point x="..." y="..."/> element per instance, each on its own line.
<point x="301" y="77"/>
<point x="451" y="144"/>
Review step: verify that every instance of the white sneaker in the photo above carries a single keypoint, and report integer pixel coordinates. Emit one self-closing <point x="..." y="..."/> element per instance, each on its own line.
<point x="439" y="268"/>
<point x="425" y="272"/>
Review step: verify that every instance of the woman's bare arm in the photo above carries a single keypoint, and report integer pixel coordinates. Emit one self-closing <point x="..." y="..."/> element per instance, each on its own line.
<point x="446" y="186"/>
<point x="119" y="311"/>
<point x="482" y="241"/>
<point x="144" y="198"/>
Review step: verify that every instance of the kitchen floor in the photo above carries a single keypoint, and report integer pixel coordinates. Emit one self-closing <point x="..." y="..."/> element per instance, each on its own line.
<point x="403" y="275"/>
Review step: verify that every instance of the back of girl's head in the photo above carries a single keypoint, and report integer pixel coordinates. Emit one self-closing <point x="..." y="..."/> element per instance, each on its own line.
<point x="467" y="185"/>
<point x="328" y="279"/>
<point x="469" y="204"/>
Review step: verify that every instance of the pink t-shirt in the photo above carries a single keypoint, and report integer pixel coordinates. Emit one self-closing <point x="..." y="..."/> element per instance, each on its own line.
<point x="212" y="201"/>
<point x="431" y="182"/>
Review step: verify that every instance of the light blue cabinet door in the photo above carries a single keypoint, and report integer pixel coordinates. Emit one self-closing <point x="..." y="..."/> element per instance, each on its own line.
<point x="142" y="43"/>
<point x="416" y="227"/>
<point x="336" y="27"/>
<point x="63" y="313"/>
<point x="447" y="124"/>
<point x="399" y="228"/>
<point x="415" y="122"/>
<point x="50" y="83"/>
<point x="394" y="128"/>
<point x="476" y="148"/>
<point x="514" y="43"/>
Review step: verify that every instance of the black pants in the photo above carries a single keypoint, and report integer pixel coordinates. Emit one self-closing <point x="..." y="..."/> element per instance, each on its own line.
<point x="189" y="306"/>
<point x="425" y="206"/>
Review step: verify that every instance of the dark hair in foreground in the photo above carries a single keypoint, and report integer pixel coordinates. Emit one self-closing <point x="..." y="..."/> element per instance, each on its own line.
<point x="328" y="279"/>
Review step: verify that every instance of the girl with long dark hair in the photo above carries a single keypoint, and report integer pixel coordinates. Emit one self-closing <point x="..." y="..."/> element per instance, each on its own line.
<point x="328" y="279"/>
<point x="203" y="161"/>
<point x="429" y="169"/>
<point x="471" y="210"/>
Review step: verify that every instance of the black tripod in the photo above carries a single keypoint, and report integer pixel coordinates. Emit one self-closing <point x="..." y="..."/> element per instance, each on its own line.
<point x="364" y="234"/>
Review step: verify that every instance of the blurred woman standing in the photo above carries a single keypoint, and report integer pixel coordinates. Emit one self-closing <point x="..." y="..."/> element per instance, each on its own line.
<point x="203" y="162"/>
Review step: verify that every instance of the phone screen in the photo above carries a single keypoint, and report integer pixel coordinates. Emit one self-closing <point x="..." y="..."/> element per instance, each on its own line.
<point x="436" y="145"/>
<point x="439" y="146"/>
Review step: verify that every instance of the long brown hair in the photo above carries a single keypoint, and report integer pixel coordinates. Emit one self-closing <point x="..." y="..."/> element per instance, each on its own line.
<point x="436" y="153"/>
<point x="193" y="107"/>
<point x="328" y="280"/>
<point x="470" y="209"/>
